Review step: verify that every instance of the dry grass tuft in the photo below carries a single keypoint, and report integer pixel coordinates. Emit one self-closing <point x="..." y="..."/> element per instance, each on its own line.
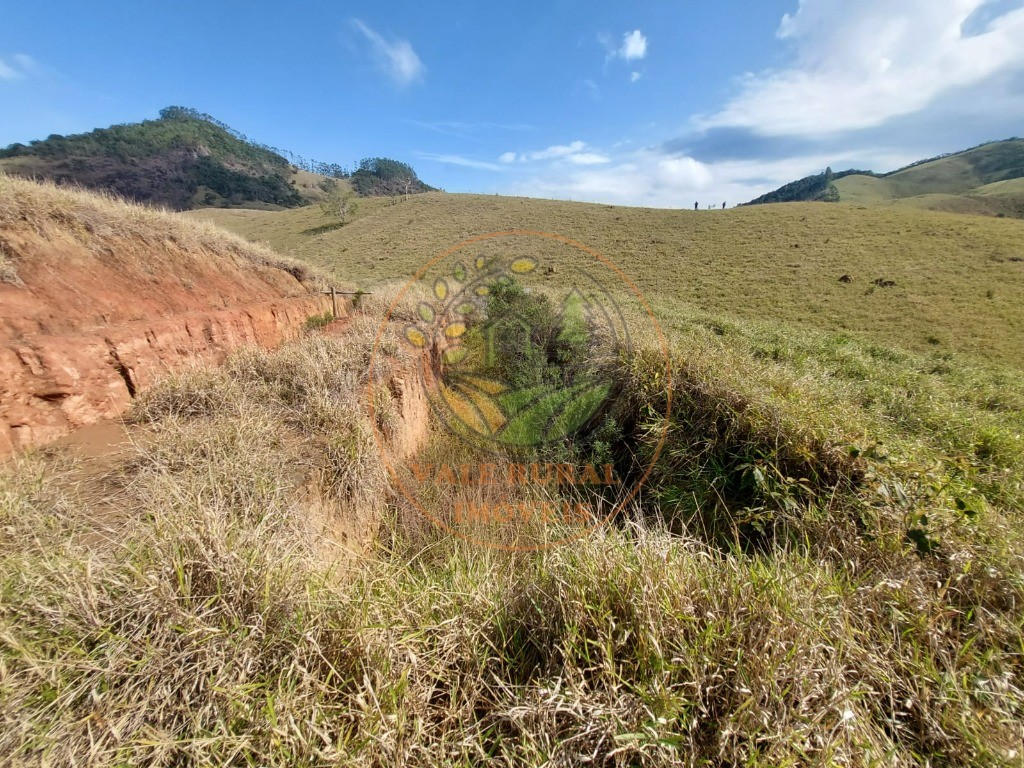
<point x="103" y="220"/>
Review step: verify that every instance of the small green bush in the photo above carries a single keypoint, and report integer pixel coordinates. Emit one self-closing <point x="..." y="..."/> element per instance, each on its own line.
<point x="313" y="322"/>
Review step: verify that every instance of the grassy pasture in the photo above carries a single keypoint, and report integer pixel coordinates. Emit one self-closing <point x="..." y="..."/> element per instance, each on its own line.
<point x="959" y="281"/>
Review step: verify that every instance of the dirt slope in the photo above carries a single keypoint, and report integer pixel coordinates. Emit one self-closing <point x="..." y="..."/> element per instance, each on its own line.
<point x="100" y="298"/>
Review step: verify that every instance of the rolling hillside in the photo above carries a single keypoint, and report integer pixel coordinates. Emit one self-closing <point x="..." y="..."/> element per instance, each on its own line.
<point x="985" y="180"/>
<point x="957" y="283"/>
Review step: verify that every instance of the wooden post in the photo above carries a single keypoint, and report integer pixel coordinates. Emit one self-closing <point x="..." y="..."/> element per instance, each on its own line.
<point x="334" y="303"/>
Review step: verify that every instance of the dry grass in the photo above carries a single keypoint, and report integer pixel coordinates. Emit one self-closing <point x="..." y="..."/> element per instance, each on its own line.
<point x="213" y="629"/>
<point x="8" y="271"/>
<point x="104" y="221"/>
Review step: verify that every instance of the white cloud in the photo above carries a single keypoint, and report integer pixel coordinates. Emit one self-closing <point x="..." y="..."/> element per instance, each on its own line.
<point x="19" y="65"/>
<point x="587" y="158"/>
<point x="641" y="178"/>
<point x="651" y="178"/>
<point x="634" y="76"/>
<point x="575" y="152"/>
<point x="396" y="58"/>
<point x="558" y="150"/>
<point x="634" y="46"/>
<point x="858" y="65"/>
<point x="464" y="162"/>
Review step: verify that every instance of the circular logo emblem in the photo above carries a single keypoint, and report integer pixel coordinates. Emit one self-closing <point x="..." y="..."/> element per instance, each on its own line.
<point x="522" y="340"/>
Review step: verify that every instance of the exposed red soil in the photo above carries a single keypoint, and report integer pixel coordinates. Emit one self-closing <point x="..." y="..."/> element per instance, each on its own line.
<point x="89" y="329"/>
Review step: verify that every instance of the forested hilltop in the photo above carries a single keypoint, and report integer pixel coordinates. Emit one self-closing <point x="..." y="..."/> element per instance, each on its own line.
<point x="188" y="159"/>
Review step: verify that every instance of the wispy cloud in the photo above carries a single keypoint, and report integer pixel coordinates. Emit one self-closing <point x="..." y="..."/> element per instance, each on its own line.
<point x="459" y="160"/>
<point x="589" y="89"/>
<point x="634" y="76"/>
<point x="564" y="156"/>
<point x="859" y="65"/>
<point x="557" y="150"/>
<point x="396" y="57"/>
<point x="468" y="129"/>
<point x="17" y="66"/>
<point x="576" y="152"/>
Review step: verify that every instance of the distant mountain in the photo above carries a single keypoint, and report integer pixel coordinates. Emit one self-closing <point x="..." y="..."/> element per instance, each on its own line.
<point x="987" y="179"/>
<point x="187" y="159"/>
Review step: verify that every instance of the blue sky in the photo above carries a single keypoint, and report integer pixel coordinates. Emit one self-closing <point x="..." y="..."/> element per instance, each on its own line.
<point x="644" y="103"/>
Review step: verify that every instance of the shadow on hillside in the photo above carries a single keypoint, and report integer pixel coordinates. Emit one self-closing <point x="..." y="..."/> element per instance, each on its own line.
<point x="323" y="229"/>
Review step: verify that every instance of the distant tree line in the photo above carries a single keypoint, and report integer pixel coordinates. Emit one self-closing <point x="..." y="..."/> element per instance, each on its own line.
<point x="810" y="188"/>
<point x="376" y="176"/>
<point x="334" y="170"/>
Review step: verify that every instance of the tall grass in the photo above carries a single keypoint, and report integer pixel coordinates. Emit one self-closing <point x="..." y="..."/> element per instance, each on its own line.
<point x="104" y="222"/>
<point x="218" y="624"/>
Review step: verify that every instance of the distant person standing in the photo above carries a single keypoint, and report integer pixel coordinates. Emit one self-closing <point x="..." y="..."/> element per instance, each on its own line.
<point x="723" y="206"/>
<point x="696" y="206"/>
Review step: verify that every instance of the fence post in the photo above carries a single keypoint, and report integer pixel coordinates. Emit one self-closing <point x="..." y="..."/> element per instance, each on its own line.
<point x="334" y="303"/>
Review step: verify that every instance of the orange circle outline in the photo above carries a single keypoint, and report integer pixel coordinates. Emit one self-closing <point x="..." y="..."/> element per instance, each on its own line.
<point x="378" y="438"/>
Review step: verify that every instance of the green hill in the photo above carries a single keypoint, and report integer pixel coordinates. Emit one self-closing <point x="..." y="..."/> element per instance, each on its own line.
<point x="961" y="172"/>
<point x="984" y="180"/>
<point x="186" y="159"/>
<point x="818" y="188"/>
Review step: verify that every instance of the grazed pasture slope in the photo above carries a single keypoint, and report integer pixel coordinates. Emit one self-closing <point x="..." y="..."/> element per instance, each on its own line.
<point x="959" y="280"/>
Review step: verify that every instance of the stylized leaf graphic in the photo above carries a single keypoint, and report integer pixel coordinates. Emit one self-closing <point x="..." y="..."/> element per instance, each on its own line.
<point x="459" y="273"/>
<point x="529" y="425"/>
<point x="426" y="312"/>
<point x="415" y="336"/>
<point x="522" y="266"/>
<point x="441" y="289"/>
<point x="465" y="411"/>
<point x="490" y="386"/>
<point x="455" y="355"/>
<point x="487" y="406"/>
<point x="554" y="414"/>
<point x="454" y="330"/>
<point x="578" y="411"/>
<point x="480" y="262"/>
<point x="514" y="402"/>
